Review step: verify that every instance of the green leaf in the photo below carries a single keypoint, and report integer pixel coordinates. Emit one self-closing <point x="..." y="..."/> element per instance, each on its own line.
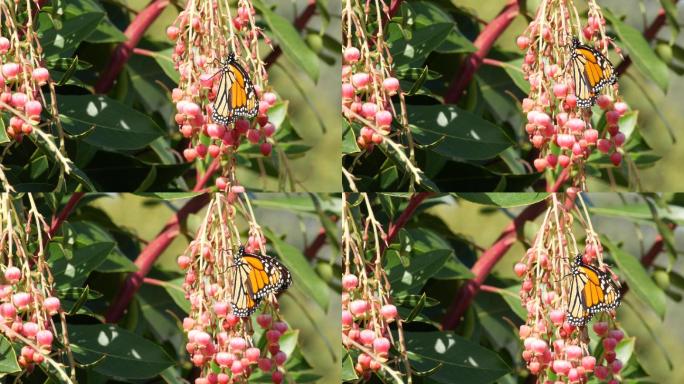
<point x="292" y="44"/>
<point x="413" y="51"/>
<point x="511" y="296"/>
<point x="639" y="281"/>
<point x="348" y="371"/>
<point x="423" y="265"/>
<point x="625" y="348"/>
<point x="513" y="70"/>
<point x="303" y="274"/>
<point x="115" y="126"/>
<point x="456" y="133"/>
<point x="3" y="131"/>
<point x="117" y="352"/>
<point x="644" y="58"/>
<point x="76" y="27"/>
<point x="163" y="58"/>
<point x="349" y="144"/>
<point x="8" y="358"/>
<point x="74" y="272"/>
<point x="175" y="290"/>
<point x="89" y="233"/>
<point x="456" y="359"/>
<point x="503" y="200"/>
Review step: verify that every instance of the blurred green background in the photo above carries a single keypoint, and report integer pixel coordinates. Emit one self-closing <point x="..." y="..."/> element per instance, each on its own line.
<point x="314" y="108"/>
<point x="656" y="110"/>
<point x="482" y="225"/>
<point x="320" y="331"/>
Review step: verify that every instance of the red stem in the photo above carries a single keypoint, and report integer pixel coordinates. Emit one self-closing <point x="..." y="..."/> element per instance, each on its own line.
<point x="486" y="262"/>
<point x="213" y="167"/>
<point x="315" y="246"/>
<point x="414" y="202"/>
<point x="562" y="178"/>
<point x="136" y="29"/>
<point x="149" y="255"/>
<point x="484" y="42"/>
<point x="66" y="211"/>
<point x="299" y="23"/>
<point x="394" y="7"/>
<point x="649" y="257"/>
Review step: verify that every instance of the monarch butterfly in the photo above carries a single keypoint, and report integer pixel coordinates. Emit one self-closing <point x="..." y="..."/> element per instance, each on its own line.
<point x="591" y="291"/>
<point x="235" y="96"/>
<point x="256" y="276"/>
<point x="591" y="71"/>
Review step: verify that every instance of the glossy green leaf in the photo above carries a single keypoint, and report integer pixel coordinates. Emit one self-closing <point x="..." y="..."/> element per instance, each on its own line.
<point x="175" y="290"/>
<point x="455" y="133"/>
<point x="513" y="69"/>
<point x="428" y="13"/>
<point x="511" y="296"/>
<point x="424" y="39"/>
<point x="503" y="200"/>
<point x="74" y="272"/>
<point x="8" y="358"/>
<point x="116" y="125"/>
<point x="117" y="352"/>
<point x="456" y="359"/>
<point x="422" y="266"/>
<point x="3" y="130"/>
<point x="639" y="281"/>
<point x="163" y="58"/>
<point x="625" y="348"/>
<point x="348" y="371"/>
<point x="641" y="53"/>
<point x="76" y="27"/>
<point x="291" y="42"/>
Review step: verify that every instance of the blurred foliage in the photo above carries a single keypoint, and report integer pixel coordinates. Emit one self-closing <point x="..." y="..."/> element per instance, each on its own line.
<point x="432" y="257"/>
<point x="480" y="143"/>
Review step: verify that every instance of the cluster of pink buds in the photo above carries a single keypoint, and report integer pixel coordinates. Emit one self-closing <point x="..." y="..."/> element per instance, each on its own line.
<point x="26" y="300"/>
<point x="216" y="336"/>
<point x="365" y="322"/>
<point x="203" y="40"/>
<point x="367" y="81"/>
<point x="21" y="72"/>
<point x="553" y="347"/>
<point x="557" y="125"/>
<point x="367" y="308"/>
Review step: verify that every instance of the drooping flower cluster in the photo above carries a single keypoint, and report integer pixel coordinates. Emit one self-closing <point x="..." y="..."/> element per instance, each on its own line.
<point x="367" y="80"/>
<point x="552" y="346"/>
<point x="367" y="309"/>
<point x="21" y="71"/>
<point x="216" y="337"/>
<point x="27" y="301"/>
<point x="562" y="131"/>
<point x="205" y="33"/>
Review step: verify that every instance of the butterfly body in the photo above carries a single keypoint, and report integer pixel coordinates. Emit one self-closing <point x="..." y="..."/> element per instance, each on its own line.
<point x="591" y="291"/>
<point x="256" y="277"/>
<point x="235" y="96"/>
<point x="591" y="72"/>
